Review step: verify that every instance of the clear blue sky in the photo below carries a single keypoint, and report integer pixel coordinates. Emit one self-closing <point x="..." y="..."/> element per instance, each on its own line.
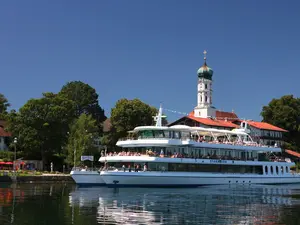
<point x="151" y="50"/>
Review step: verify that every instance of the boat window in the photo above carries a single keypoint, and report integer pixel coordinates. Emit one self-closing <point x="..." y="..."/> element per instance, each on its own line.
<point x="159" y="133"/>
<point x="177" y="134"/>
<point x="286" y="169"/>
<point x="215" y="168"/>
<point x="167" y="134"/>
<point x="146" y="134"/>
<point x="185" y="135"/>
<point x="271" y="167"/>
<point x="266" y="169"/>
<point x="282" y="170"/>
<point x="277" y="170"/>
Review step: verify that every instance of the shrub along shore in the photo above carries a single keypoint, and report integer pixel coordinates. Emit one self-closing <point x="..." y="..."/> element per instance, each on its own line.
<point x="35" y="177"/>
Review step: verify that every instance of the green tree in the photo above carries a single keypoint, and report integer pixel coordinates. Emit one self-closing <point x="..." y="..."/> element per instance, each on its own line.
<point x="128" y="114"/>
<point x="285" y="113"/>
<point x="83" y="132"/>
<point x="41" y="126"/>
<point x="3" y="106"/>
<point x="86" y="100"/>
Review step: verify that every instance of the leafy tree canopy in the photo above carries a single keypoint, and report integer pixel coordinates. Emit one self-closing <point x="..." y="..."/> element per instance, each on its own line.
<point x="83" y="132"/>
<point x="125" y="116"/>
<point x="86" y="100"/>
<point x="285" y="113"/>
<point x="41" y="125"/>
<point x="128" y="114"/>
<point x="3" y="105"/>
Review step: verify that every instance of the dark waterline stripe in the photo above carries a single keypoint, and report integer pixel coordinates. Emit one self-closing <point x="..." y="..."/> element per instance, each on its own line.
<point x="90" y="184"/>
<point x="231" y="177"/>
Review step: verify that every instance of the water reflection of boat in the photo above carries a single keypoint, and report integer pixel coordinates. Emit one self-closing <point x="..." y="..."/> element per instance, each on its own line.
<point x="175" y="206"/>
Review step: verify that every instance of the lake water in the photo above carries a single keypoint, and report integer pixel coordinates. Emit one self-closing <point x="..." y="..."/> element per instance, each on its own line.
<point x="36" y="204"/>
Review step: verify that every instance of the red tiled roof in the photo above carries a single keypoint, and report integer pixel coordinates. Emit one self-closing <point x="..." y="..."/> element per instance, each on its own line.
<point x="212" y="122"/>
<point x="220" y="115"/>
<point x="293" y="153"/>
<point x="106" y="125"/>
<point x="231" y="117"/>
<point x="3" y="133"/>
<point x="265" y="126"/>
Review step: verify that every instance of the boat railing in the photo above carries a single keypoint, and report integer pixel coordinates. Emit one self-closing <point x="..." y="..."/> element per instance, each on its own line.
<point x="84" y="169"/>
<point x="156" y="138"/>
<point x="187" y="156"/>
<point x="235" y="143"/>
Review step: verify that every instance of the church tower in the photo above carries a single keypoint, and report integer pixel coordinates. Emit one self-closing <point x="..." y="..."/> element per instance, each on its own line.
<point x="204" y="106"/>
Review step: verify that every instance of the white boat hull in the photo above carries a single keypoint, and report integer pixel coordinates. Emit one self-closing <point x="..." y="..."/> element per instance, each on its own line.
<point x="179" y="179"/>
<point x="86" y="178"/>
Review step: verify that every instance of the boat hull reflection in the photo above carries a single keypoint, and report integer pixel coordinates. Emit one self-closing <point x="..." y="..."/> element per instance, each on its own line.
<point x="206" y="205"/>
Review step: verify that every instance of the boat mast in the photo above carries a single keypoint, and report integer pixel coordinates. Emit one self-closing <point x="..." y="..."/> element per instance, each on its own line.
<point x="158" y="117"/>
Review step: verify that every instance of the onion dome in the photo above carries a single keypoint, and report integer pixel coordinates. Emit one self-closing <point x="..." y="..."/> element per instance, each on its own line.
<point x="205" y="71"/>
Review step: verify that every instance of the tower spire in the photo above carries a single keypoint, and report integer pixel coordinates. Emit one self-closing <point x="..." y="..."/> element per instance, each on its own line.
<point x="205" y="52"/>
<point x="204" y="106"/>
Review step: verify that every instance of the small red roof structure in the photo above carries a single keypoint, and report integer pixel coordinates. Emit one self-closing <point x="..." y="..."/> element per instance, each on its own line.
<point x="107" y="125"/>
<point x="4" y="133"/>
<point x="293" y="153"/>
<point x="265" y="126"/>
<point x="229" y="116"/>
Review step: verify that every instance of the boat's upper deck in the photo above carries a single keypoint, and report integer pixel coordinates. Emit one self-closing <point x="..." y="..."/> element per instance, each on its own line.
<point x="182" y="135"/>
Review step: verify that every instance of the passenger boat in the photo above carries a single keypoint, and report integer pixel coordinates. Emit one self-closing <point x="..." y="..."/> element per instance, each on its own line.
<point x="87" y="177"/>
<point x="184" y="156"/>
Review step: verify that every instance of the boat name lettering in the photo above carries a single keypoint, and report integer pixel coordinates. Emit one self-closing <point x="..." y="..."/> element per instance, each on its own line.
<point x="218" y="161"/>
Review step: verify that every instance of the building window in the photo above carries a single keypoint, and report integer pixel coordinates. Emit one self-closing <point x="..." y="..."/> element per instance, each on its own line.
<point x="205" y="86"/>
<point x="205" y="98"/>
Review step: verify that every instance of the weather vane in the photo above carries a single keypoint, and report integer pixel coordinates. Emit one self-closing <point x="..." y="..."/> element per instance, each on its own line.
<point x="205" y="52"/>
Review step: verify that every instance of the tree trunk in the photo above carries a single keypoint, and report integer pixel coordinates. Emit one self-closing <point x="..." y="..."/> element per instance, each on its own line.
<point x="43" y="159"/>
